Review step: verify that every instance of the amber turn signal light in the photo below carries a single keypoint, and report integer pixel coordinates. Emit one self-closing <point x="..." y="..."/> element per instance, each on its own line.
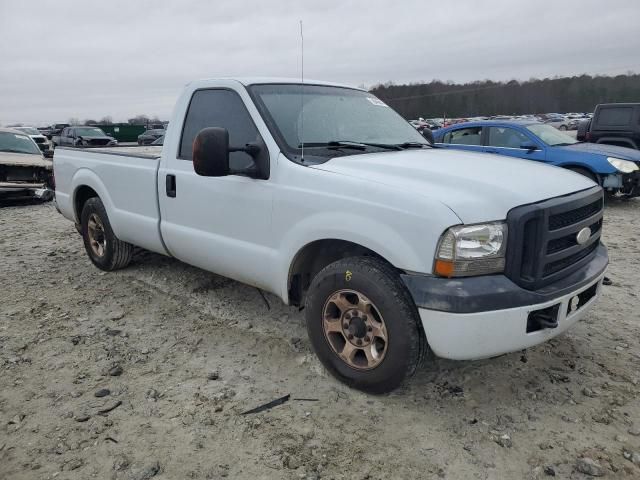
<point x="444" y="268"/>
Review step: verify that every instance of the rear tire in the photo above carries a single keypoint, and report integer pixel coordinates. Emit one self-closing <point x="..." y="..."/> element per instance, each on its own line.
<point x="104" y="249"/>
<point x="363" y="324"/>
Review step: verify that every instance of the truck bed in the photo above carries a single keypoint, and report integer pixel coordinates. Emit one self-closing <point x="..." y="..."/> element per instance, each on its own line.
<point x="125" y="178"/>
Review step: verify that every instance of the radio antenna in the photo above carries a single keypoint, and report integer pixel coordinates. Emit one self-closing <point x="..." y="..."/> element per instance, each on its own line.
<point x="302" y="93"/>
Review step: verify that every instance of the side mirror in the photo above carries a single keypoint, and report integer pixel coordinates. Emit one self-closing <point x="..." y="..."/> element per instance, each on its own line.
<point x="428" y="134"/>
<point x="211" y="152"/>
<point x="48" y="153"/>
<point x="530" y="147"/>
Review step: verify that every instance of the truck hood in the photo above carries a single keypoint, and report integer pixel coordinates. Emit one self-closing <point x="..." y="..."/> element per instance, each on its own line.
<point x="605" y="150"/>
<point x="478" y="187"/>
<point x="25" y="160"/>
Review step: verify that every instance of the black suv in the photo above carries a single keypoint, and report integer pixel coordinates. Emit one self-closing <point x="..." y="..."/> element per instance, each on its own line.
<point x="613" y="124"/>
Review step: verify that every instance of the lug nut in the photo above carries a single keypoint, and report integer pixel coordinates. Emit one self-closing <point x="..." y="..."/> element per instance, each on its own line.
<point x="364" y="317"/>
<point x="345" y="325"/>
<point x="369" y="329"/>
<point x="359" y="342"/>
<point x="347" y="316"/>
<point x="350" y="336"/>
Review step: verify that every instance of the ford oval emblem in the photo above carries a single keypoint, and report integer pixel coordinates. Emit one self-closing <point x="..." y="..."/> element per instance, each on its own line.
<point x="583" y="235"/>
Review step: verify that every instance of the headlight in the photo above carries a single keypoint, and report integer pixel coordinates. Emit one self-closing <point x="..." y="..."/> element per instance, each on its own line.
<point x="467" y="250"/>
<point x="624" y="166"/>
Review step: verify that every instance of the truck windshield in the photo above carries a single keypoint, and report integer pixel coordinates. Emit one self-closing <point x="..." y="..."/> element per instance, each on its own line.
<point x="551" y="135"/>
<point x="328" y="118"/>
<point x="17" y="143"/>
<point x="90" y="132"/>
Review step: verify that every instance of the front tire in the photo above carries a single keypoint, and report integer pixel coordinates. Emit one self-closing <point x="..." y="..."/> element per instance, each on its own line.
<point x="363" y="324"/>
<point x="104" y="249"/>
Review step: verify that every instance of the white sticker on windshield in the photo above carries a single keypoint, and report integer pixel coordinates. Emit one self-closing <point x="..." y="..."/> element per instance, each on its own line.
<point x="377" y="102"/>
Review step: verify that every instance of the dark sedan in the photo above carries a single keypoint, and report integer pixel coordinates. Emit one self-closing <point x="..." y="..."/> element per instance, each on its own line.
<point x="150" y="136"/>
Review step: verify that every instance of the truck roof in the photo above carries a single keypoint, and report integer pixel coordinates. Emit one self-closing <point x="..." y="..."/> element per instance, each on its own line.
<point x="246" y="81"/>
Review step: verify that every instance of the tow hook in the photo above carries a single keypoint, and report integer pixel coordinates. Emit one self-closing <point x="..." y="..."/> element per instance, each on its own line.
<point x="543" y="318"/>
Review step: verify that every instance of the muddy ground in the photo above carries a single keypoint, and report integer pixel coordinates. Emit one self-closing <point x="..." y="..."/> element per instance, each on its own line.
<point x="184" y="352"/>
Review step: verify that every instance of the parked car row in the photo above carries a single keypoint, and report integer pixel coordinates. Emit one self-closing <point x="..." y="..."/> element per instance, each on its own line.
<point x="568" y="121"/>
<point x="83" y="137"/>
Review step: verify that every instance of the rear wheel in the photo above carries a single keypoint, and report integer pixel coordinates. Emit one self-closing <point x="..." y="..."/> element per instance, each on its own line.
<point x="104" y="249"/>
<point x="363" y="324"/>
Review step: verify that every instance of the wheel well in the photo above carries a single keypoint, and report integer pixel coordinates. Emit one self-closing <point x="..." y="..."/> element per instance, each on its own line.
<point x="573" y="167"/>
<point x="313" y="257"/>
<point x="83" y="194"/>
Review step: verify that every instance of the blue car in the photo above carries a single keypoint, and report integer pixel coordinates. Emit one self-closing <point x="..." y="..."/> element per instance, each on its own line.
<point x="616" y="169"/>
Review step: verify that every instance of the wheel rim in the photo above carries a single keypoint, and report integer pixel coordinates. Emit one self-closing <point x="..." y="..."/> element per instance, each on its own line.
<point x="354" y="329"/>
<point x="97" y="238"/>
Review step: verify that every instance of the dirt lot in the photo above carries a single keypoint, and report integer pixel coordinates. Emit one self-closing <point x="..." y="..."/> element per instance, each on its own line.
<point x="184" y="352"/>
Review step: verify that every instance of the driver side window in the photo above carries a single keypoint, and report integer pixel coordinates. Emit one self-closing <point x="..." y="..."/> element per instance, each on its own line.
<point x="219" y="108"/>
<point x="507" y="138"/>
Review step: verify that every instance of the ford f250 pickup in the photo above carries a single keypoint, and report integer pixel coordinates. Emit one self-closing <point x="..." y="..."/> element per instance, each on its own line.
<point x="326" y="197"/>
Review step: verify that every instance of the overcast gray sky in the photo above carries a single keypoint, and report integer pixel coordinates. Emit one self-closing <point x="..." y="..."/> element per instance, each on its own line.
<point x="87" y="59"/>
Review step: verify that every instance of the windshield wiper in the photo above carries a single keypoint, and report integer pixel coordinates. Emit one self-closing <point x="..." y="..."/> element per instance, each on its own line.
<point x="413" y="145"/>
<point x="11" y="150"/>
<point x="353" y="144"/>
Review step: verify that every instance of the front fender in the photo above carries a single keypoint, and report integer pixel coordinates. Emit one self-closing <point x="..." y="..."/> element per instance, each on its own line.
<point x="364" y="231"/>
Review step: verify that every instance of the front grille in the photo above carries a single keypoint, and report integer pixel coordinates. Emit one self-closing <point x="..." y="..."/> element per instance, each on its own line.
<point x="99" y="141"/>
<point x="558" y="265"/>
<point x="561" y="220"/>
<point x="570" y="240"/>
<point x="543" y="245"/>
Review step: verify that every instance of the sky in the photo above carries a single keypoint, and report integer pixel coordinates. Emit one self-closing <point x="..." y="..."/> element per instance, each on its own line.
<point x="87" y="59"/>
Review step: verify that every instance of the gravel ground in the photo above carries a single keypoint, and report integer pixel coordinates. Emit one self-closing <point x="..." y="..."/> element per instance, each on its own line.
<point x="178" y="354"/>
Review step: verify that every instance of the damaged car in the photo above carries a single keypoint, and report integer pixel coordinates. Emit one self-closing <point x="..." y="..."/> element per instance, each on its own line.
<point x="24" y="170"/>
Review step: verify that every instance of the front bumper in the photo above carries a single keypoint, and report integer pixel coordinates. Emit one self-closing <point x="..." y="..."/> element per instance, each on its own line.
<point x="628" y="184"/>
<point x="480" y="317"/>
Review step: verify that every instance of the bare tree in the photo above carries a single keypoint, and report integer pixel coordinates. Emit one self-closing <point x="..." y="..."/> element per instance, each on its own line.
<point x="139" y="120"/>
<point x="106" y="120"/>
<point x="74" y="121"/>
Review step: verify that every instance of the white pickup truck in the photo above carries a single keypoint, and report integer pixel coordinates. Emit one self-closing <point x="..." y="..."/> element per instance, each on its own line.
<point x="326" y="197"/>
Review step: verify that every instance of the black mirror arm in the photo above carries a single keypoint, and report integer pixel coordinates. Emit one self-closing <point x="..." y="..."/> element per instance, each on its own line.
<point x="250" y="148"/>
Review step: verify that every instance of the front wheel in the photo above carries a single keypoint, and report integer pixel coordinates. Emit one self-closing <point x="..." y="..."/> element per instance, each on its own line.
<point x="363" y="324"/>
<point x="105" y="250"/>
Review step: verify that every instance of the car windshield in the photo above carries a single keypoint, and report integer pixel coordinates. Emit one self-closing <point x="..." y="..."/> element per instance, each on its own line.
<point x="326" y="116"/>
<point x="550" y="135"/>
<point x="28" y="130"/>
<point x="17" y="143"/>
<point x="90" y="132"/>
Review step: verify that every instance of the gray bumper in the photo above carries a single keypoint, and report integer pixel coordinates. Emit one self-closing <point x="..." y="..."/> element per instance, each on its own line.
<point x="496" y="292"/>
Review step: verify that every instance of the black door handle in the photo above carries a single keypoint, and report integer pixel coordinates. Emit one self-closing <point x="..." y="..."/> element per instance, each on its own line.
<point x="171" y="185"/>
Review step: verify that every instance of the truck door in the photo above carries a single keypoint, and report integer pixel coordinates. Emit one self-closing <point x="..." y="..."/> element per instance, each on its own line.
<point x="221" y="224"/>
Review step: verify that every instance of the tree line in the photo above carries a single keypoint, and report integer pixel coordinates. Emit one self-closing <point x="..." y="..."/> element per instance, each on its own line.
<point x="483" y="98"/>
